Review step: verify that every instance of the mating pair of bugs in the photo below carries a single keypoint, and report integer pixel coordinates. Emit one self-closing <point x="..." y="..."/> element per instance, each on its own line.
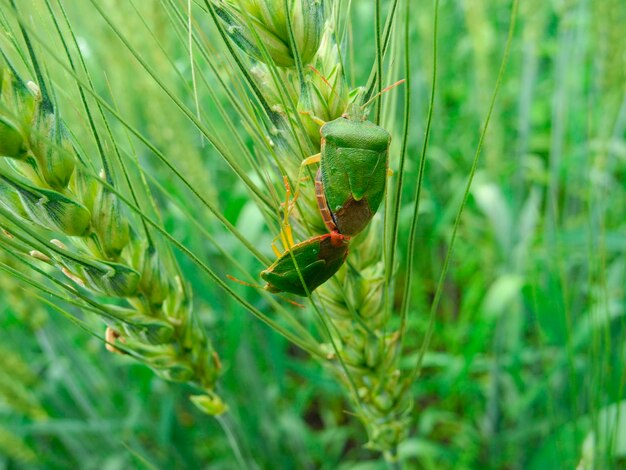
<point x="349" y="187"/>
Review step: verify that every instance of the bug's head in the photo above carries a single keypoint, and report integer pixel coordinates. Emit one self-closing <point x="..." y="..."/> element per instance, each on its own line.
<point x="356" y="113"/>
<point x="355" y="110"/>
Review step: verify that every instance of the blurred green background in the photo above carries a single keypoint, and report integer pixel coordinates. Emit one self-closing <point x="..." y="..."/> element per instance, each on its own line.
<point x="526" y="366"/>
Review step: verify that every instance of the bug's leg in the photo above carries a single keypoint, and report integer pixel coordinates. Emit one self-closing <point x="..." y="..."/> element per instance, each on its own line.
<point x="286" y="234"/>
<point x="313" y="118"/>
<point x="322" y="203"/>
<point x="313" y="159"/>
<point x="276" y="250"/>
<point x="310" y="160"/>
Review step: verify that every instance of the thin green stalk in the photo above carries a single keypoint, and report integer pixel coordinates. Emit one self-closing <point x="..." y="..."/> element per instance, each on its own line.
<point x="397" y="199"/>
<point x="233" y="101"/>
<point x="273" y="116"/>
<point x="227" y="427"/>
<point x="83" y="99"/>
<point x="379" y="60"/>
<point x="374" y="78"/>
<point x="433" y="311"/>
<point x="209" y="205"/>
<point x="218" y="147"/>
<point x="406" y="297"/>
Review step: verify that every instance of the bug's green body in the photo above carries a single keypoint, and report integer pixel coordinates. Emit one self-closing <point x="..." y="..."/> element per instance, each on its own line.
<point x="353" y="172"/>
<point x="317" y="258"/>
<point x="350" y="185"/>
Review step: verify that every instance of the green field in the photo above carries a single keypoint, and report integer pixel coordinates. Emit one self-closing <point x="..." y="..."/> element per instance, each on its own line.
<point x="150" y="158"/>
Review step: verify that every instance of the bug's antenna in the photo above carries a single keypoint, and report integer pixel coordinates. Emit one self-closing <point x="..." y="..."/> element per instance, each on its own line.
<point x="243" y="283"/>
<point x="377" y="95"/>
<point x="256" y="286"/>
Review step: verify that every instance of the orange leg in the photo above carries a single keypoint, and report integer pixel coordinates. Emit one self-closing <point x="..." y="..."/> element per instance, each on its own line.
<point x="286" y="234"/>
<point x="306" y="162"/>
<point x="322" y="203"/>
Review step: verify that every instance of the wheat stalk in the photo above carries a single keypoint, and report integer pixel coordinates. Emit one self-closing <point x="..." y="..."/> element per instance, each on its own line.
<point x="53" y="208"/>
<point x="303" y="88"/>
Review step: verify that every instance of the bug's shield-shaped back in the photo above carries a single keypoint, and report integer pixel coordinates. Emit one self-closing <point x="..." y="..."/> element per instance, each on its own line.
<point x="353" y="171"/>
<point x="317" y="260"/>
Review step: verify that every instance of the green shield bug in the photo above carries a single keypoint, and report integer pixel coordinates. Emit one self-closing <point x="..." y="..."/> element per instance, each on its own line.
<point x="350" y="183"/>
<point x="353" y="168"/>
<point x="303" y="267"/>
<point x="317" y="260"/>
